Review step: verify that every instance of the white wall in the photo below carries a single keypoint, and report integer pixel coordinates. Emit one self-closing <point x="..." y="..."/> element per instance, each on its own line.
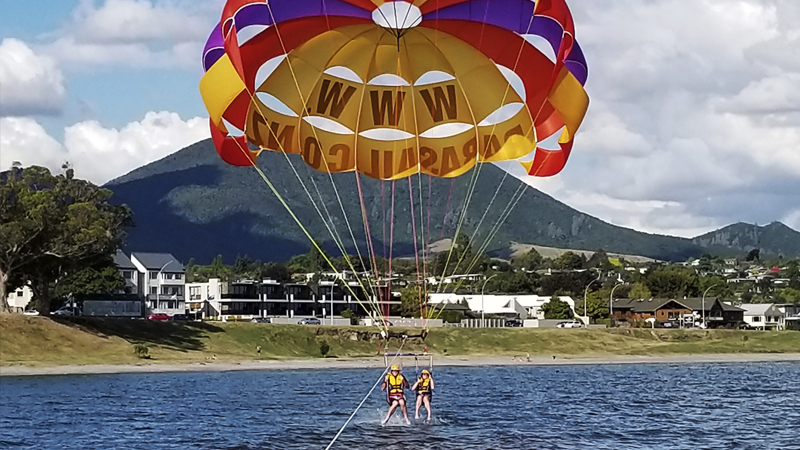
<point x="20" y="298"/>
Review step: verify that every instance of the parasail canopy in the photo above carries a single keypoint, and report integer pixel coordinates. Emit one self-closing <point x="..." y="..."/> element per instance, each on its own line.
<point x="394" y="88"/>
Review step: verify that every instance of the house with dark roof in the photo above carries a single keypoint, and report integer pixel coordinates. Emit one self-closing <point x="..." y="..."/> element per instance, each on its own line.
<point x="128" y="271"/>
<point x="161" y="279"/>
<point x="715" y="312"/>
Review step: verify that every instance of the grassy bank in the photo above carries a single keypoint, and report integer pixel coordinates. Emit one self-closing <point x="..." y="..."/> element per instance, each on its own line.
<point x="38" y="341"/>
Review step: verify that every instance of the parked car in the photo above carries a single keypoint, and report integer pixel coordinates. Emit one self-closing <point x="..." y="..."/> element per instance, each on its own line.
<point x="31" y="312"/>
<point x="573" y="324"/>
<point x="382" y="323"/>
<point x="309" y="321"/>
<point x="513" y="323"/>
<point x="67" y="311"/>
<point x="158" y="317"/>
<point x="182" y="317"/>
<point x="261" y="320"/>
<point x="670" y="324"/>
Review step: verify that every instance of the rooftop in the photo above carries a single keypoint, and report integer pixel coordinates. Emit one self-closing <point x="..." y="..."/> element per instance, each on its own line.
<point x="164" y="262"/>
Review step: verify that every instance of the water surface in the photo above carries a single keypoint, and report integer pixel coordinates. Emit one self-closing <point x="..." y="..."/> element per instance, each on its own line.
<point x="680" y="406"/>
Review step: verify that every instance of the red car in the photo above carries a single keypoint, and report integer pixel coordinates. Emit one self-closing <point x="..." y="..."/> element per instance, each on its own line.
<point x="158" y="317"/>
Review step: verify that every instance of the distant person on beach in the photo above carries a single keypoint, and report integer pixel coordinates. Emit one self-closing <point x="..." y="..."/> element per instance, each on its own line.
<point x="424" y="388"/>
<point x="258" y="349"/>
<point x="395" y="385"/>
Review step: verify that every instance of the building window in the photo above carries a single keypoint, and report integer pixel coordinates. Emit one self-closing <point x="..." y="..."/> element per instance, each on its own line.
<point x="756" y="319"/>
<point x="178" y="276"/>
<point x="127" y="274"/>
<point x="20" y="293"/>
<point x="153" y="290"/>
<point x="153" y="275"/>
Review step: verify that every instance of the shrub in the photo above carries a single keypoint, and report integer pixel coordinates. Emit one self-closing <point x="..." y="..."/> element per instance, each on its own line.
<point x="324" y="348"/>
<point x="141" y="351"/>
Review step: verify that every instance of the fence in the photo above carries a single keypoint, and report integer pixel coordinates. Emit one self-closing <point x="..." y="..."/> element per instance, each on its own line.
<point x="483" y="323"/>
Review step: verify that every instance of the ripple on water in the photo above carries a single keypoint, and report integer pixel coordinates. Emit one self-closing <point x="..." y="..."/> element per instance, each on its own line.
<point x="599" y="407"/>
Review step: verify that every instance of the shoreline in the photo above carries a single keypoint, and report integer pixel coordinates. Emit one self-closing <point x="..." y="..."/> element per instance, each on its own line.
<point x="377" y="363"/>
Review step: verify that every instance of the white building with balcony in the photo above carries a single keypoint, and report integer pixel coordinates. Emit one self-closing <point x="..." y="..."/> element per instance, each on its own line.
<point x="161" y="282"/>
<point x="763" y="316"/>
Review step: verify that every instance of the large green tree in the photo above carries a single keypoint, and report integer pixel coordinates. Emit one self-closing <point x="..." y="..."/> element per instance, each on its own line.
<point x="412" y="301"/>
<point x="54" y="226"/>
<point x="673" y="282"/>
<point x="569" y="261"/>
<point x="596" y="304"/>
<point x="101" y="279"/>
<point x="556" y="309"/>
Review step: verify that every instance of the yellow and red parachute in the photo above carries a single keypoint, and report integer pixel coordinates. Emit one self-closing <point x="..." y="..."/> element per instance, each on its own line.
<point x="394" y="88"/>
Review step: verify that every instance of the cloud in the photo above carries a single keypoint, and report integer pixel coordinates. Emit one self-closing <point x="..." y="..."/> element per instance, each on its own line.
<point x="31" y="83"/>
<point x="136" y="21"/>
<point x="695" y="114"/>
<point x="97" y="153"/>
<point x="135" y="33"/>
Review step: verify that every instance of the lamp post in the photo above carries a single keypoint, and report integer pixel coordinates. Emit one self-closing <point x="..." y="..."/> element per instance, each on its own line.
<point x="703" y="307"/>
<point x="611" y="305"/>
<point x="483" y="319"/>
<point x="158" y="292"/>
<point x="585" y="293"/>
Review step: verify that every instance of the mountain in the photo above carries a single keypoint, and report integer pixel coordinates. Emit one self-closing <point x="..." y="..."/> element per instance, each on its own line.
<point x="773" y="239"/>
<point x="195" y="206"/>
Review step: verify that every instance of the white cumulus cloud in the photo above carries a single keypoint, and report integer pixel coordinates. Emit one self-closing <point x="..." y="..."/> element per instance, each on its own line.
<point x="30" y="83"/>
<point x="97" y="153"/>
<point x="135" y="33"/>
<point x="695" y="114"/>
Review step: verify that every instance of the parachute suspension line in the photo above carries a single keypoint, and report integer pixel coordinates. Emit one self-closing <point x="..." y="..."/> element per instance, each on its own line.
<point x="493" y="232"/>
<point x="414" y="235"/>
<point x="423" y="293"/>
<point x="428" y="228"/>
<point x="383" y="236"/>
<point x="330" y="176"/>
<point x="447" y="208"/>
<point x="370" y="246"/>
<point x="477" y="227"/>
<point x="391" y="232"/>
<point x="380" y="379"/>
<point x="328" y="223"/>
<point x="468" y="199"/>
<point x="291" y="213"/>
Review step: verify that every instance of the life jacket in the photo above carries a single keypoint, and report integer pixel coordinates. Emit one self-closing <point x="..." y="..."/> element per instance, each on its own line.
<point x="424" y="385"/>
<point x="395" y="383"/>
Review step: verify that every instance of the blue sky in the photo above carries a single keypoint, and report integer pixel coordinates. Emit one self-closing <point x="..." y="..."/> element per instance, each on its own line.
<point x="694" y="120"/>
<point x="111" y="94"/>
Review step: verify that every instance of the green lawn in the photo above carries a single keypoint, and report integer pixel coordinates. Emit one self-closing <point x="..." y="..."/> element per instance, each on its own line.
<point x="41" y="341"/>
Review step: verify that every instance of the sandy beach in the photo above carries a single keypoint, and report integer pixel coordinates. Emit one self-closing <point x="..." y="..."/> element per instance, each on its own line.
<point x="377" y="362"/>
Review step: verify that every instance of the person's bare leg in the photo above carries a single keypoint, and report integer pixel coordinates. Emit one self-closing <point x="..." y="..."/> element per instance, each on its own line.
<point x="419" y="405"/>
<point x="427" y="400"/>
<point x="405" y="411"/>
<point x="391" y="411"/>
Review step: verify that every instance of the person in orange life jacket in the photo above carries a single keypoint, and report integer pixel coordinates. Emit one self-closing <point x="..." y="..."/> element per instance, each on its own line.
<point x="395" y="384"/>
<point x="424" y="388"/>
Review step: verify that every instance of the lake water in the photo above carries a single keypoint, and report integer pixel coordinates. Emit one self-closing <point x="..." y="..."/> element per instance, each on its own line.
<point x="681" y="406"/>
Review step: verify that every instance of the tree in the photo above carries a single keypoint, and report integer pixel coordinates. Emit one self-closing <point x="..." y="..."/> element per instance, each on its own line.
<point x="569" y="261"/>
<point x="599" y="260"/>
<point x="673" y="282"/>
<point x="556" y="309"/>
<point x="717" y="287"/>
<point x="412" y="301"/>
<point x="52" y="228"/>
<point x="754" y="255"/>
<point x="104" y="279"/>
<point x="639" y="290"/>
<point x="789" y="295"/>
<point x="596" y="304"/>
<point x="529" y="261"/>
